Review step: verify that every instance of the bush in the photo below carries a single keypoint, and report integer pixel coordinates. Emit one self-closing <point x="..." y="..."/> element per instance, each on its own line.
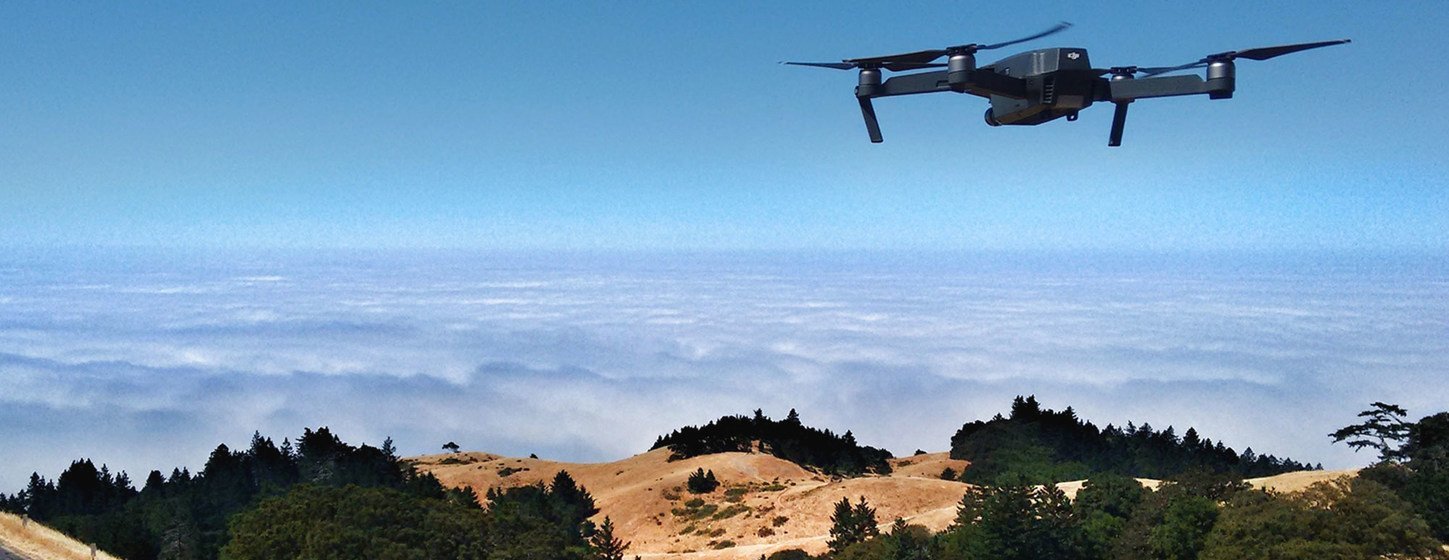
<point x="701" y="482"/>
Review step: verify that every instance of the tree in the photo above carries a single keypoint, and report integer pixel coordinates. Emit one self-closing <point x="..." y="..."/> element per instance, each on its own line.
<point x="851" y="524"/>
<point x="1345" y="518"/>
<point x="1103" y="506"/>
<point x="1383" y="430"/>
<point x="451" y="447"/>
<point x="1414" y="459"/>
<point x="605" y="545"/>
<point x="1184" y="528"/>
<point x="353" y="522"/>
<point x="701" y="482"/>
<point x="1013" y="522"/>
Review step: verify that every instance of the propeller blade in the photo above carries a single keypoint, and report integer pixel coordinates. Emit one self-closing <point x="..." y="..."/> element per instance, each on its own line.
<point x="1056" y="29"/>
<point x="904" y="66"/>
<point x="1155" y="70"/>
<point x="834" y="65"/>
<point x="918" y="57"/>
<point x="1260" y="53"/>
<point x="1265" y="53"/>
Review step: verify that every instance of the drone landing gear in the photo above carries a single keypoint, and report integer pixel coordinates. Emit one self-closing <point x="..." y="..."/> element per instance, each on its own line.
<point x="1119" y="121"/>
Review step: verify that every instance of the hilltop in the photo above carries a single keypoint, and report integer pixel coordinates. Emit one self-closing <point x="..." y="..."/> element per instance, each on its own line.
<point x="763" y="504"/>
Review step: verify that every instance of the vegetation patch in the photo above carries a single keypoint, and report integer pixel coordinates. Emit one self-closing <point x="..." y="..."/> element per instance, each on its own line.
<point x="1042" y="446"/>
<point x="787" y="439"/>
<point x="730" y="511"/>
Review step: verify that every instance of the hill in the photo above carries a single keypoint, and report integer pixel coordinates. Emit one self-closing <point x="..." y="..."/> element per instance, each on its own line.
<point x="763" y="504"/>
<point x="35" y="541"/>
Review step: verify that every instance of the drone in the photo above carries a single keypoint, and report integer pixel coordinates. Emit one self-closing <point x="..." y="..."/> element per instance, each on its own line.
<point x="1043" y="85"/>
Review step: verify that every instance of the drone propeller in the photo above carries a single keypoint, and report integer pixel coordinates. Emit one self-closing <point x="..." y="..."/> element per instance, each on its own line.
<point x="930" y="55"/>
<point x="1260" y="53"/>
<point x="924" y="59"/>
<point x="894" y="66"/>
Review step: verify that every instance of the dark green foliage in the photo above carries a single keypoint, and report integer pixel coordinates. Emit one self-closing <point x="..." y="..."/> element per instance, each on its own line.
<point x="1041" y="446"/>
<point x="787" y="439"/>
<point x="13" y="503"/>
<point x="1102" y="508"/>
<point x="1013" y="522"/>
<point x="850" y="525"/>
<point x="540" y="521"/>
<point x="451" y="447"/>
<point x="1174" y="521"/>
<point x="326" y="523"/>
<point x="1383" y="429"/>
<point x="1353" y="518"/>
<point x="949" y="473"/>
<point x="185" y="516"/>
<point x="701" y="482"/>
<point x="790" y="554"/>
<point x="1413" y="459"/>
<point x="604" y="545"/>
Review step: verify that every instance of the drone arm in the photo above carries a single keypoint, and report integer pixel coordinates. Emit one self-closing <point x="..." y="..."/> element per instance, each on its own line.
<point x="1167" y="86"/>
<point x="907" y="84"/>
<point x="983" y="82"/>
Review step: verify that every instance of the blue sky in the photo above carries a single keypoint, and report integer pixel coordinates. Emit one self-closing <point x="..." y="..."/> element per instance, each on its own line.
<point x="201" y="133"/>
<point x="656" y="125"/>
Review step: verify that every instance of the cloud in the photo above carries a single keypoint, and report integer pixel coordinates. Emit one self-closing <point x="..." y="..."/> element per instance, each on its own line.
<point x="149" y="365"/>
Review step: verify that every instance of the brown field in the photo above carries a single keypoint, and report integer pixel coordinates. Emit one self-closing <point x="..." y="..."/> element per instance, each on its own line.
<point x="38" y="542"/>
<point x="763" y="504"/>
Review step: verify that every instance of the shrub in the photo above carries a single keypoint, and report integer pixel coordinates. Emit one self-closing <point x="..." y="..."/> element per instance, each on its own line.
<point x="701" y="482"/>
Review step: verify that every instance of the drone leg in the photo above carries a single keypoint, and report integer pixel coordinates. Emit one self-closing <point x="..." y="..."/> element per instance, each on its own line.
<point x="1119" y="121"/>
<point x="871" y="125"/>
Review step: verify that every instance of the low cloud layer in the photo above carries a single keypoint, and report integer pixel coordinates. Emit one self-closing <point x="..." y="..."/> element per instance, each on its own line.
<point x="148" y="361"/>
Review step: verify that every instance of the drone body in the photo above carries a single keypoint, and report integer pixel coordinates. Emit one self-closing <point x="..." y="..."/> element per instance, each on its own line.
<point x="1042" y="85"/>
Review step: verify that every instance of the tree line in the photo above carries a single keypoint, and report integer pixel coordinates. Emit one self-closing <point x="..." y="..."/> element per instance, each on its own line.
<point x="1035" y="445"/>
<point x="1394" y="509"/>
<point x="321" y="498"/>
<point x="787" y="439"/>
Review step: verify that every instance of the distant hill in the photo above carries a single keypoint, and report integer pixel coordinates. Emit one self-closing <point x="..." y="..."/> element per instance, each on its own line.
<point x="1039" y="445"/>
<point x="787" y="439"/>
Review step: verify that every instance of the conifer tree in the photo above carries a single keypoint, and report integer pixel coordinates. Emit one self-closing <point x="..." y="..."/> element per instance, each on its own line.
<point x="604" y="545"/>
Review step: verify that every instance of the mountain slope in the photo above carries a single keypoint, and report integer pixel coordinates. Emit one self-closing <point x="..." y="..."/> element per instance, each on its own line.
<point x="763" y="504"/>
<point x="38" y="542"/>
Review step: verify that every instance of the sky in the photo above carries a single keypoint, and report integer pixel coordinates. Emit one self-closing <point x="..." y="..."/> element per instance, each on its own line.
<point x="565" y="228"/>
<point x="653" y="125"/>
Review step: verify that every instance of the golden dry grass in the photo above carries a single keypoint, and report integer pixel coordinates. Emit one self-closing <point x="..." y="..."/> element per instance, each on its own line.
<point x="764" y="504"/>
<point x="38" y="542"/>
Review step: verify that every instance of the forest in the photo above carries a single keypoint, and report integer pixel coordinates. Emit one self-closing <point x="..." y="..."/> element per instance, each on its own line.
<point x="326" y="499"/>
<point x="321" y="498"/>
<point x="1035" y="445"/>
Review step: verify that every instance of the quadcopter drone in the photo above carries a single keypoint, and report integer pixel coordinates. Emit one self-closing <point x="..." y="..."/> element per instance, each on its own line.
<point x="1044" y="84"/>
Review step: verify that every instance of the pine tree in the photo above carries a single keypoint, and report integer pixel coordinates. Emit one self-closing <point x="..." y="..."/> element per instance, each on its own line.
<point x="604" y="545"/>
<point x="851" y="524"/>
